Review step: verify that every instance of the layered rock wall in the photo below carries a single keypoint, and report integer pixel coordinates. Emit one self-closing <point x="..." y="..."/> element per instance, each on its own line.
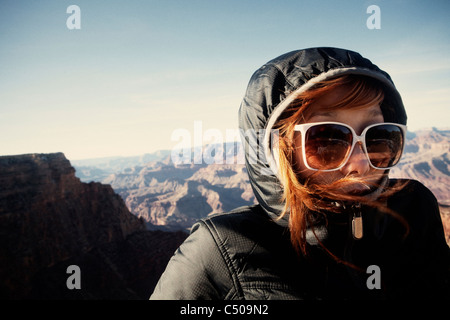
<point x="48" y="218"/>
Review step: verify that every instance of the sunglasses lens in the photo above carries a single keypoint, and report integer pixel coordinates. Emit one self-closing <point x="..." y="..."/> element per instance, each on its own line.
<point x="327" y="146"/>
<point x="384" y="145"/>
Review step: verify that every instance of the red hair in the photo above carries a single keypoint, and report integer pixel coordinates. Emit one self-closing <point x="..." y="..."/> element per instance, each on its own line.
<point x="304" y="199"/>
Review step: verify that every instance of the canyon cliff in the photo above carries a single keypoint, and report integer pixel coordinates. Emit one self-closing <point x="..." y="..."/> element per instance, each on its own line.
<point x="50" y="220"/>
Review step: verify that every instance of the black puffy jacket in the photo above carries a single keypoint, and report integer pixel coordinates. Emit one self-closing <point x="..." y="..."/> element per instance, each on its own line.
<point x="247" y="253"/>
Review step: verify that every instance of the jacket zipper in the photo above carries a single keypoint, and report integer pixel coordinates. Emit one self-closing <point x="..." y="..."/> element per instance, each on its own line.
<point x="357" y="223"/>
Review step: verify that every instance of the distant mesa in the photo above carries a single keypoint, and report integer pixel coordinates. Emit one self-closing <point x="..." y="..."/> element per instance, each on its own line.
<point x="171" y="196"/>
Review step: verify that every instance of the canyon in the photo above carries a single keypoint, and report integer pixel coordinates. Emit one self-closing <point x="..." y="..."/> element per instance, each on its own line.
<point x="120" y="219"/>
<point x="172" y="196"/>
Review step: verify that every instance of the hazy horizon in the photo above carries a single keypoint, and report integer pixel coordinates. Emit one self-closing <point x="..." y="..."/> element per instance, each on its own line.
<point x="230" y="142"/>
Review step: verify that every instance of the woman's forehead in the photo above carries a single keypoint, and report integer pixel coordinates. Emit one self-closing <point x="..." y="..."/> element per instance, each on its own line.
<point x="337" y="101"/>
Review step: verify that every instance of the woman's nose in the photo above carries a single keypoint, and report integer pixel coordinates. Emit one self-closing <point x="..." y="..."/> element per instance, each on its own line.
<point x="357" y="164"/>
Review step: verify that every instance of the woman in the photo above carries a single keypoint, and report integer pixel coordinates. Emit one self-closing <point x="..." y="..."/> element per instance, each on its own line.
<point x="329" y="223"/>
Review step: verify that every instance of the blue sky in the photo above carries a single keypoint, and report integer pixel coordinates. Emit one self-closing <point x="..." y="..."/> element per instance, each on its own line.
<point x="137" y="71"/>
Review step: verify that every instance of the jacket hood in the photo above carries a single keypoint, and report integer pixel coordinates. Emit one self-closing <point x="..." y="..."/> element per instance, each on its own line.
<point x="274" y="86"/>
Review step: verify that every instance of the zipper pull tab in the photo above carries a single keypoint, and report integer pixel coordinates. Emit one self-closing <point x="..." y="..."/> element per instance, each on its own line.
<point x="357" y="223"/>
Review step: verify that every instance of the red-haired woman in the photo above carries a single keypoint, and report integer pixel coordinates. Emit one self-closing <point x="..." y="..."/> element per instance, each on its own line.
<point x="329" y="223"/>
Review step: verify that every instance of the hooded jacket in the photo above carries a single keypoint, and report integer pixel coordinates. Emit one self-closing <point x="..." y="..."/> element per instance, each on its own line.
<point x="247" y="253"/>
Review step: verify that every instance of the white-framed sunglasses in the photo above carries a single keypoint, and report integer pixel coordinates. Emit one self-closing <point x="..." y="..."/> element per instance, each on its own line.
<point x="327" y="146"/>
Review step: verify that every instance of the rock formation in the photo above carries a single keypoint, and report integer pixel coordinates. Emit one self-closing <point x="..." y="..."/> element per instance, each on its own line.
<point x="426" y="159"/>
<point x="177" y="196"/>
<point x="49" y="220"/>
